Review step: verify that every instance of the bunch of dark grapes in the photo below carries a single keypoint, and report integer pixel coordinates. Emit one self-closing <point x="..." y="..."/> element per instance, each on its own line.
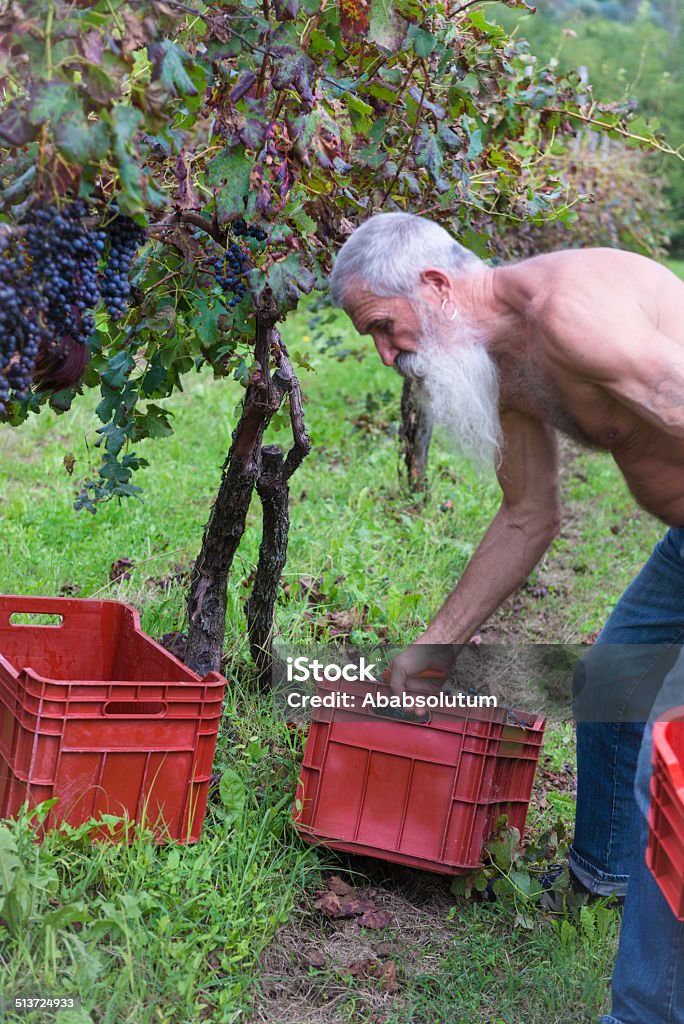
<point x="12" y="330"/>
<point x="241" y="229"/>
<point x="229" y="271"/>
<point x="64" y="256"/>
<point x="125" y="238"/>
<point x="48" y="289"/>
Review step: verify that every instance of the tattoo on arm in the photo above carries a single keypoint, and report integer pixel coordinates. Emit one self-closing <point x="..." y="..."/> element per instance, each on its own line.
<point x="666" y="399"/>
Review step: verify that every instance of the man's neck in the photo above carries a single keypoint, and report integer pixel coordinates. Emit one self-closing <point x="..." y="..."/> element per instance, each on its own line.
<point x="484" y="305"/>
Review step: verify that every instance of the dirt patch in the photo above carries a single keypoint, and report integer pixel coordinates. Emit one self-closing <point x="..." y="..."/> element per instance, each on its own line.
<point x="308" y="969"/>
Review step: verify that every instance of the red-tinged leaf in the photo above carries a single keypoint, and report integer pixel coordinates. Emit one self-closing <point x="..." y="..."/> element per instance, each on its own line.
<point x="373" y="918"/>
<point x="92" y="47"/>
<point x="356" y="906"/>
<point x="286" y="10"/>
<point x="292" y="68"/>
<point x="134" y="35"/>
<point x="353" y="18"/>
<point x="363" y="968"/>
<point x="243" y="86"/>
<point x="329" y="904"/>
<point x="186" y="197"/>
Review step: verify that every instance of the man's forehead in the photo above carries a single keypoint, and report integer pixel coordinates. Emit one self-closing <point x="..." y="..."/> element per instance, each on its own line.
<point x="364" y="308"/>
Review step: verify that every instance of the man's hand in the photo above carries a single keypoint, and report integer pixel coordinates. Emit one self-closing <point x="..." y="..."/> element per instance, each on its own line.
<point x="416" y="659"/>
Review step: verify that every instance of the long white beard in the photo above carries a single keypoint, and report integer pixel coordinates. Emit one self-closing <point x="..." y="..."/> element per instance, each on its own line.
<point x="458" y="383"/>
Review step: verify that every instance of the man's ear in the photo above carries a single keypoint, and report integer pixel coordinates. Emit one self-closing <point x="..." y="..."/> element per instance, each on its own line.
<point x="436" y="282"/>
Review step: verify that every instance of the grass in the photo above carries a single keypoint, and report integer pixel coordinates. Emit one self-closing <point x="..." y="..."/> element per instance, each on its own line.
<point x="148" y="934"/>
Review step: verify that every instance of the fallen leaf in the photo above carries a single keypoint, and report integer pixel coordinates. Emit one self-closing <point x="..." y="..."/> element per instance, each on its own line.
<point x="339" y="886"/>
<point x="364" y="968"/>
<point x="314" y="958"/>
<point x="329" y="903"/>
<point x="336" y="906"/>
<point x="382" y="948"/>
<point x="373" y="918"/>
<point x="388" y="978"/>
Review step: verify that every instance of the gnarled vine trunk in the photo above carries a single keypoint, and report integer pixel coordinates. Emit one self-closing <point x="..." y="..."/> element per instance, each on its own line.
<point x="247" y="466"/>
<point x="415" y="432"/>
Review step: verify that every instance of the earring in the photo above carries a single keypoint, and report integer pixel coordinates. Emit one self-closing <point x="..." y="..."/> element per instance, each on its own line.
<point x="454" y="315"/>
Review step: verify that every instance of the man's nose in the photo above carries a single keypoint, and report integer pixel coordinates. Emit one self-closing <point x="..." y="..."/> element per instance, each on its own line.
<point x="387" y="352"/>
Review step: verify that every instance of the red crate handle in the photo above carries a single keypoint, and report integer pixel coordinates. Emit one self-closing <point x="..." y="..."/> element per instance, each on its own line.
<point x="135" y="709"/>
<point x="24" y="604"/>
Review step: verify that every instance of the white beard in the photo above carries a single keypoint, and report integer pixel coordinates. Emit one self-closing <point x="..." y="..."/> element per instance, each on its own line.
<point x="458" y="383"/>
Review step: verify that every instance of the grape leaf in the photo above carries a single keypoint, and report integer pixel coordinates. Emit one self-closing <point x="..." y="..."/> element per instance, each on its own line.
<point x="230" y="172"/>
<point x="233" y="794"/>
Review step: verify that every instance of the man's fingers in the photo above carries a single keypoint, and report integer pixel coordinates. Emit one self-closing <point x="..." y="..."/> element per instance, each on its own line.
<point x="398" y="680"/>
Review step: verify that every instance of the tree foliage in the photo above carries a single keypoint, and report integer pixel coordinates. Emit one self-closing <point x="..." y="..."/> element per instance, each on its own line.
<point x="635" y="59"/>
<point x="619" y="202"/>
<point x="296" y="118"/>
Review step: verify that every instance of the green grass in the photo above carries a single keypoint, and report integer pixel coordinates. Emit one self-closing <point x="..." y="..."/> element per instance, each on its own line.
<point x="166" y="934"/>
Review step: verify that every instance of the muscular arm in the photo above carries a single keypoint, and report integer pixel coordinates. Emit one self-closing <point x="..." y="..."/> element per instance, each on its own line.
<point x="649" y="378"/>
<point x="613" y="344"/>
<point x="522" y="529"/>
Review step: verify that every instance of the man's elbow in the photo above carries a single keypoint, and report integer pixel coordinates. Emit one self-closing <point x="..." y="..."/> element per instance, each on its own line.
<point x="552" y="523"/>
<point x="540" y="525"/>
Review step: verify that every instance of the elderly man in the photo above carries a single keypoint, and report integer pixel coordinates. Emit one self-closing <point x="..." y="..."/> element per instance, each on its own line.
<point x="589" y="342"/>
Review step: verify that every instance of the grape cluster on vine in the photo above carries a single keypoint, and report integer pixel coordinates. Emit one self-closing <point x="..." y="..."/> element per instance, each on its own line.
<point x="241" y="229"/>
<point x="50" y="285"/>
<point x="125" y="238"/>
<point x="232" y="265"/>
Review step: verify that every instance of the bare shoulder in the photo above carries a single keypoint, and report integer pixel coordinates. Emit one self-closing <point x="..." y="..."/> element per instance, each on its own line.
<point x="587" y="306"/>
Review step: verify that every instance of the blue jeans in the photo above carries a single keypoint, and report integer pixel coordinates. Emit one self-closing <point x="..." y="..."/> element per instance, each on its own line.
<point x="619" y="690"/>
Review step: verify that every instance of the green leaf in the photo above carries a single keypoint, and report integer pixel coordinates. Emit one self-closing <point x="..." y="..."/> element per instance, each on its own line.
<point x="423" y="42"/>
<point x="153" y="422"/>
<point x="80" y="141"/>
<point x="503" y="850"/>
<point x="522" y="881"/>
<point x="430" y="154"/>
<point x="233" y="794"/>
<point x="52" y="100"/>
<point x="230" y="172"/>
<point x="319" y="43"/>
<point x="360" y="113"/>
<point x="114" y="437"/>
<point x="385" y="26"/>
<point x="10" y="865"/>
<point x="475" y="146"/>
<point x="120" y="365"/>
<point x="206" y="321"/>
<point x="125" y="121"/>
<point x="287" y="279"/>
<point x="173" y="72"/>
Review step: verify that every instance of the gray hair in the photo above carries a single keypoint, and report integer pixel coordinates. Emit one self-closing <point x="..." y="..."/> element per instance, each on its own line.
<point x="389" y="251"/>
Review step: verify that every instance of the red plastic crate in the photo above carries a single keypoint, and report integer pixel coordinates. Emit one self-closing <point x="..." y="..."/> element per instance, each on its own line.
<point x="95" y="713"/>
<point x="427" y="795"/>
<point x="665" y="851"/>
